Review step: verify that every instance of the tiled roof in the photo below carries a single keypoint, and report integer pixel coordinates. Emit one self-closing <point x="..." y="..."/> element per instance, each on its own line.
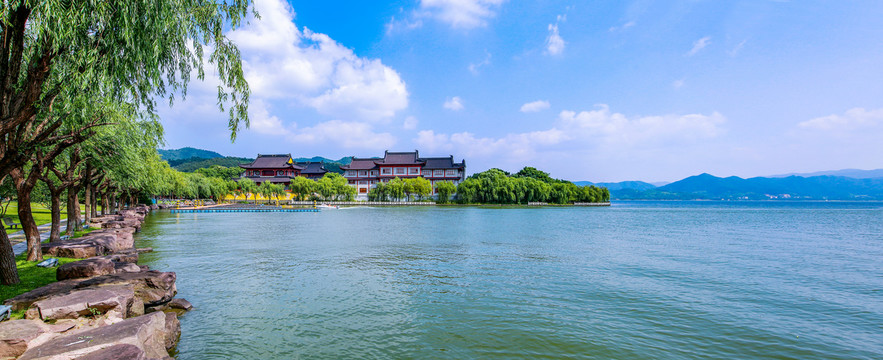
<point x="312" y="167"/>
<point x="401" y="158"/>
<point x="278" y="161"/>
<point x="361" y="164"/>
<point x="442" y="163"/>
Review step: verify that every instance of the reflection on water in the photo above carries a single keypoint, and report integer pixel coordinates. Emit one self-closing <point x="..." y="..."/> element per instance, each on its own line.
<point x="636" y="280"/>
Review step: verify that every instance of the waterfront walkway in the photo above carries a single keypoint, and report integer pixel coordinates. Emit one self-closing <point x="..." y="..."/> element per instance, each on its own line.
<point x="19" y="245"/>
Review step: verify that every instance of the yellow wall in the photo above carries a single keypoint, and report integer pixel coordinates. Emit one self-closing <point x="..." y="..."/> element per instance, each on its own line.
<point x="285" y="197"/>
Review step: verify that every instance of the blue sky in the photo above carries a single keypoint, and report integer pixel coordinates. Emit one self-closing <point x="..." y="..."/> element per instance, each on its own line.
<point x="599" y="90"/>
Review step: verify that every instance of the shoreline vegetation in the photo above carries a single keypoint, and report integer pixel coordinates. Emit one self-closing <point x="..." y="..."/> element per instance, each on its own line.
<point x="96" y="291"/>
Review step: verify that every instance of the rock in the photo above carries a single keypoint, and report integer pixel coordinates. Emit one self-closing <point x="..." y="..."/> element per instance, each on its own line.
<point x="123" y="238"/>
<point x="24" y="301"/>
<point x="153" y="287"/>
<point x="116" y="352"/>
<point x="110" y="241"/>
<point x="17" y="335"/>
<point x="180" y="303"/>
<point x="125" y="223"/>
<point x="87" y="302"/>
<point x="123" y="257"/>
<point x="124" y="267"/>
<point x="85" y="268"/>
<point x="147" y="332"/>
<point x="144" y="250"/>
<point x="77" y="250"/>
<point x="173" y="330"/>
<point x="96" y="243"/>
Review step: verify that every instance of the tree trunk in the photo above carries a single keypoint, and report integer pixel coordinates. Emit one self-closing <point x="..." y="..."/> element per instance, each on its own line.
<point x="111" y="202"/>
<point x="87" y="199"/>
<point x="94" y="207"/>
<point x="56" y="216"/>
<point x="105" y="205"/>
<point x="73" y="211"/>
<point x="8" y="269"/>
<point x="29" y="226"/>
<point x="23" y="187"/>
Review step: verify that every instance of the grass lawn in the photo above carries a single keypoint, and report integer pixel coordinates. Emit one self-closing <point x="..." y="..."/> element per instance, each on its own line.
<point x="31" y="276"/>
<point x="83" y="232"/>
<point x="42" y="215"/>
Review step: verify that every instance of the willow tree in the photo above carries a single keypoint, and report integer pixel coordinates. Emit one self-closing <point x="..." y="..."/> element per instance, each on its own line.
<point x="445" y="189"/>
<point x="302" y="187"/>
<point x="56" y="54"/>
<point x="248" y="187"/>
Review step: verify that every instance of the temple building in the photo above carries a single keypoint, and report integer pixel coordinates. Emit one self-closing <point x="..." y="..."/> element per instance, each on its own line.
<point x="280" y="169"/>
<point x="364" y="173"/>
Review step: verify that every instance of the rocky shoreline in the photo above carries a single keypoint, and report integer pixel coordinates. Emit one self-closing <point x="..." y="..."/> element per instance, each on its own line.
<point x="103" y="307"/>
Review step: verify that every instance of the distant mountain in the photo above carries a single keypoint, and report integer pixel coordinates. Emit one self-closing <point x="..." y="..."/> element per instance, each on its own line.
<point x="191" y="164"/>
<point x="850" y="173"/>
<point x="614" y="186"/>
<point x="707" y="186"/>
<point x="187" y="153"/>
<point x="343" y="161"/>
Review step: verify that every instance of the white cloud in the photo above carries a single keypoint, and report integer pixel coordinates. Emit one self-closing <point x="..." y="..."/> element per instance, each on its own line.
<point x="617" y="129"/>
<point x="622" y="27"/>
<point x="463" y="14"/>
<point x="535" y="106"/>
<point x="738" y="48"/>
<point x="852" y="119"/>
<point x="432" y="142"/>
<point x="407" y="23"/>
<point x="311" y="69"/>
<point x="473" y="68"/>
<point x="598" y="130"/>
<point x="554" y="43"/>
<point x="410" y="123"/>
<point x="262" y="121"/>
<point x="521" y="145"/>
<point x="453" y="103"/>
<point x="677" y="84"/>
<point x="698" y="45"/>
<point x="349" y="135"/>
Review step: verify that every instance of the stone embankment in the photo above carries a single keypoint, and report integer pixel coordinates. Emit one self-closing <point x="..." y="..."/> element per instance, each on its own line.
<point x="103" y="307"/>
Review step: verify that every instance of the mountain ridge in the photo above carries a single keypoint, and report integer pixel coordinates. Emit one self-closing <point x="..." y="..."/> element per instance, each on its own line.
<point x="852" y="173"/>
<point x="187" y="153"/>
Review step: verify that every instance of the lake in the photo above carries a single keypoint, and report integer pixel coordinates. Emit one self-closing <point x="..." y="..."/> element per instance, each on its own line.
<point x="637" y="280"/>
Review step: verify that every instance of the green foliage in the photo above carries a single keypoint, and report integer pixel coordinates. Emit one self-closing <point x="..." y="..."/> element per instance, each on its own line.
<point x="528" y="185"/>
<point x="302" y="187"/>
<point x="247" y="187"/>
<point x="220" y="172"/>
<point x="532" y="172"/>
<point x="378" y="192"/>
<point x="419" y="186"/>
<point x="333" y="186"/>
<point x="396" y="189"/>
<point x="445" y="189"/>
<point x="194" y="164"/>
